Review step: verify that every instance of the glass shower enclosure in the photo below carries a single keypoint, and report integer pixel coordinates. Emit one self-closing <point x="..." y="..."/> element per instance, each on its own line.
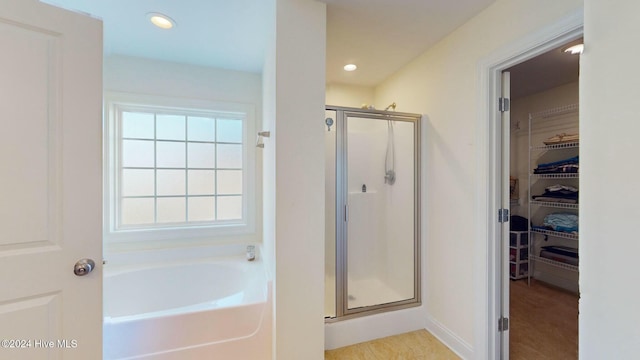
<point x="372" y="211"/>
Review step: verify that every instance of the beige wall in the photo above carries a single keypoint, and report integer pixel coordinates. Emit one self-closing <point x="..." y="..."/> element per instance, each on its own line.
<point x="349" y="95"/>
<point x="609" y="126"/>
<point x="443" y="84"/>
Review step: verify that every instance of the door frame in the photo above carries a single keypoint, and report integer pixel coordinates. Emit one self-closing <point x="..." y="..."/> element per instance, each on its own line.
<point x="488" y="275"/>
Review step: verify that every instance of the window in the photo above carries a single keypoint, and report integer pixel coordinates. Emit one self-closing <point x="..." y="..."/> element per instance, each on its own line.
<point x="175" y="169"/>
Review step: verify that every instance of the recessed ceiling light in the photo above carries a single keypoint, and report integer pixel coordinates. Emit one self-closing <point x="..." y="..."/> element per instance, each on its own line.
<point x="160" y="20"/>
<point x="575" y="49"/>
<point x="350" y="67"/>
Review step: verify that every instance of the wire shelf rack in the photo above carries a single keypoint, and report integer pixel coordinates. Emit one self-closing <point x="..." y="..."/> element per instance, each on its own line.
<point x="568" y="145"/>
<point x="558" y="205"/>
<point x="553" y="263"/>
<point x="560" y="110"/>
<point x="564" y="235"/>
<point x="556" y="176"/>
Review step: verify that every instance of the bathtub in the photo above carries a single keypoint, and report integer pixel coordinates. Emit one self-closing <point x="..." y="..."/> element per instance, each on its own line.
<point x="205" y="309"/>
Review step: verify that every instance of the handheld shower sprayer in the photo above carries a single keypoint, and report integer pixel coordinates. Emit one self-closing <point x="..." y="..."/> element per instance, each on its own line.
<point x="390" y="156"/>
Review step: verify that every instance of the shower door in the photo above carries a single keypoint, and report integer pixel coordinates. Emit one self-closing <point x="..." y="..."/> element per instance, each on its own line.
<point x="377" y="232"/>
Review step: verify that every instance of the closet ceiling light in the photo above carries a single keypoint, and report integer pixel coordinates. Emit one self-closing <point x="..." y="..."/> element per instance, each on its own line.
<point x="160" y="20"/>
<point x="350" y="67"/>
<point x="575" y="49"/>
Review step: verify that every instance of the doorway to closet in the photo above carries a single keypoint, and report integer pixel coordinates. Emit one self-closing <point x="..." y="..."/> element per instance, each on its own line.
<point x="543" y="150"/>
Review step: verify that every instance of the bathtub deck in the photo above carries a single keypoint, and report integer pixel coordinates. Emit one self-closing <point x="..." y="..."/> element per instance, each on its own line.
<point x="415" y="345"/>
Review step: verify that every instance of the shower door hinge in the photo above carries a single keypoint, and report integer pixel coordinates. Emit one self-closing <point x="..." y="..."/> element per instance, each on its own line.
<point x="503" y="324"/>
<point x="503" y="215"/>
<point x="503" y="104"/>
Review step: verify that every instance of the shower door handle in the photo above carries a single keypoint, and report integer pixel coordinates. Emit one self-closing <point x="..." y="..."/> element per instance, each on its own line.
<point x="346" y="213"/>
<point x="83" y="267"/>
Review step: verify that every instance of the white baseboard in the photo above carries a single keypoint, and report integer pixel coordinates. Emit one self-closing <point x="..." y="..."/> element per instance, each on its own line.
<point x="451" y="340"/>
<point x="348" y="332"/>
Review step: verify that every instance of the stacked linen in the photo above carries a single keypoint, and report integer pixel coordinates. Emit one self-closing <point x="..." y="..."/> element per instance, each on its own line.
<point x="570" y="165"/>
<point x="564" y="254"/>
<point x="561" y="222"/>
<point x="559" y="194"/>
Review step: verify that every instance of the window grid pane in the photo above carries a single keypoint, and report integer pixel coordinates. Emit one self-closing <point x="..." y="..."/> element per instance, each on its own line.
<point x="187" y="148"/>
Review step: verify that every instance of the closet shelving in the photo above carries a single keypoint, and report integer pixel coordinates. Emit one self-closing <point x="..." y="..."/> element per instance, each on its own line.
<point x="564" y="235"/>
<point x="557" y="264"/>
<point x="555" y="176"/>
<point x="536" y="235"/>
<point x="554" y="205"/>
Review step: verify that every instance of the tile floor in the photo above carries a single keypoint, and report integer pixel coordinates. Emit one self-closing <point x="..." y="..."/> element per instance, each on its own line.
<point x="416" y="345"/>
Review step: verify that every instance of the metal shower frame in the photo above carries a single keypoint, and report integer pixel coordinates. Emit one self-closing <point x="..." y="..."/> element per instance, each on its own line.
<point x="342" y="310"/>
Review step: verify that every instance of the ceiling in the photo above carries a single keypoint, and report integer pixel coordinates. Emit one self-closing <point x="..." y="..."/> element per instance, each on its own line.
<point x="228" y="34"/>
<point x="546" y="71"/>
<point x="380" y="36"/>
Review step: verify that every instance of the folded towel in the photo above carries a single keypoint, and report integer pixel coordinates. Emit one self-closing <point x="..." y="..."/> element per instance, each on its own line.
<point x="563" y="222"/>
<point x="571" y="160"/>
<point x="560" y="187"/>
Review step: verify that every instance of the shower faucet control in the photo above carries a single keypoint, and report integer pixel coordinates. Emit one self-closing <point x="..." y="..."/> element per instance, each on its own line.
<point x="390" y="177"/>
<point x="329" y="122"/>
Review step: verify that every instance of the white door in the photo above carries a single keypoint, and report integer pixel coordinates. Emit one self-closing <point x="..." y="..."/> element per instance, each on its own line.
<point x="50" y="182"/>
<point x="504" y="177"/>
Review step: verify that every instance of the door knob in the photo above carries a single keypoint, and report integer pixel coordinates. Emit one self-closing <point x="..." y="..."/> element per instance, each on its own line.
<point x="83" y="267"/>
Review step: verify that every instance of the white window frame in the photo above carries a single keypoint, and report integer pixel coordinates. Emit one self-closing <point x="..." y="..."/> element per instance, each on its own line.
<point x="116" y="102"/>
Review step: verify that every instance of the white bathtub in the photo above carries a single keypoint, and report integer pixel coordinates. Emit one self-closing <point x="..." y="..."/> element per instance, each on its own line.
<point x="214" y="309"/>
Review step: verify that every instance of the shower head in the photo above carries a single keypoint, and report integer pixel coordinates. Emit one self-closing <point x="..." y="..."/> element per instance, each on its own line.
<point x="392" y="107"/>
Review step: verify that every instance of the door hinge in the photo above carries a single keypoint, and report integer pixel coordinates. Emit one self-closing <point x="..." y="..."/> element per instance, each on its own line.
<point x="503" y="104"/>
<point x="503" y="324"/>
<point x="503" y="215"/>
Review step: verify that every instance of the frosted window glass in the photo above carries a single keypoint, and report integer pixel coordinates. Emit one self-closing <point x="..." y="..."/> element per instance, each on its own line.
<point x="137" y="211"/>
<point x="137" y="153"/>
<point x="202" y="208"/>
<point x="171" y="210"/>
<point x="170" y="154"/>
<point x="137" y="182"/>
<point x="230" y="182"/>
<point x="229" y="130"/>
<point x="170" y="127"/>
<point x="137" y="125"/>
<point x="202" y="155"/>
<point x="201" y="129"/>
<point x="229" y="156"/>
<point x="173" y="168"/>
<point x="171" y="182"/>
<point x="229" y="207"/>
<point x="202" y="182"/>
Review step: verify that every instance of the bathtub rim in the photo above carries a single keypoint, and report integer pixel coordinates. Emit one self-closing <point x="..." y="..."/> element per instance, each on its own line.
<point x="236" y="261"/>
